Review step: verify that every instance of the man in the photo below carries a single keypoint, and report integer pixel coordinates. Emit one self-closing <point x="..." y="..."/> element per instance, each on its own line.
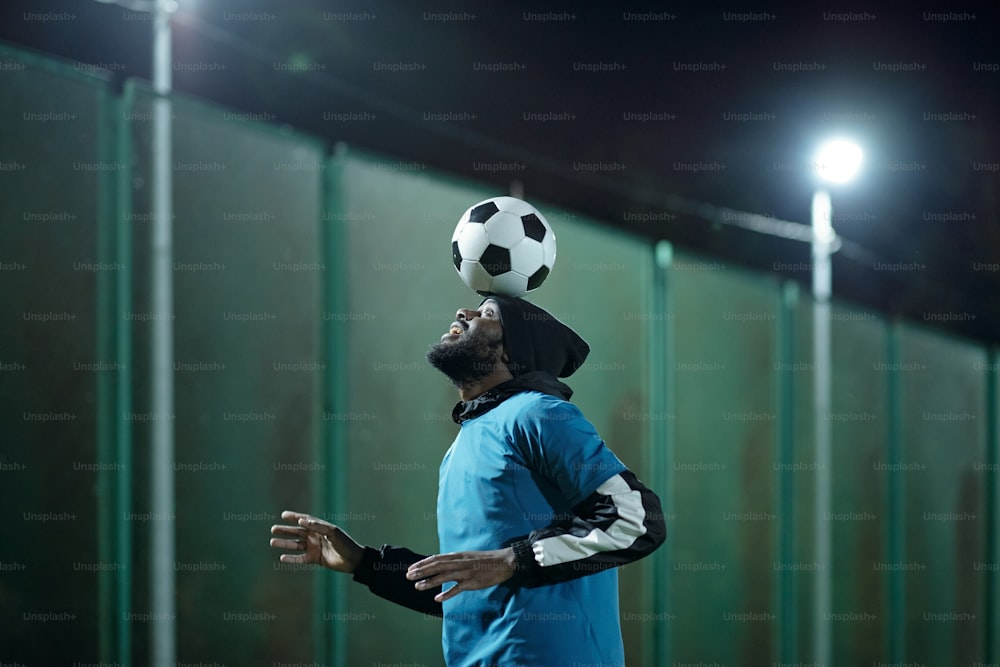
<point x="534" y="511"/>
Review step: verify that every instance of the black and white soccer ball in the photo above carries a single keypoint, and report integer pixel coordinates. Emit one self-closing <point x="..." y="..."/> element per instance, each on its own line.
<point x="503" y="246"/>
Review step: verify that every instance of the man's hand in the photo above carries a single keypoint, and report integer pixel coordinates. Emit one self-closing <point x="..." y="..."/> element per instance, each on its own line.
<point x="470" y="570"/>
<point x="319" y="543"/>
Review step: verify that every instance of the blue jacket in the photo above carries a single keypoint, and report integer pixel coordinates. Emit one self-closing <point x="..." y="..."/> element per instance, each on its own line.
<point x="527" y="470"/>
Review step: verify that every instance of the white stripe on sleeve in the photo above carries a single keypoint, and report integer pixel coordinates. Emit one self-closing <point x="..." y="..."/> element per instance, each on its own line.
<point x="629" y="526"/>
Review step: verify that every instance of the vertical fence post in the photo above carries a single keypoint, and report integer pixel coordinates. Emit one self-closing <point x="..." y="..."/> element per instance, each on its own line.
<point x="106" y="383"/>
<point x="123" y="394"/>
<point x="163" y="537"/>
<point x="661" y="445"/>
<point x="332" y="492"/>
<point x="991" y="629"/>
<point x="787" y="626"/>
<point x="895" y="503"/>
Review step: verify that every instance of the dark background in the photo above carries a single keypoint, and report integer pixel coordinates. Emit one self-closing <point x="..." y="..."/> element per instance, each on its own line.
<point x="463" y="89"/>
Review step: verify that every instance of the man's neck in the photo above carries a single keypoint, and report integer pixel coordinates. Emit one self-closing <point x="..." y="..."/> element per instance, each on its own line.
<point x="476" y="388"/>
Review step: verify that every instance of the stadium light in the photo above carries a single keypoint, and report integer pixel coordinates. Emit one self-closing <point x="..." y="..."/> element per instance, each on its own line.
<point x="836" y="161"/>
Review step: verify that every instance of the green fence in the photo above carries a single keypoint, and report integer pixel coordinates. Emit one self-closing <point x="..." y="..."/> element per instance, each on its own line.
<point x="308" y="286"/>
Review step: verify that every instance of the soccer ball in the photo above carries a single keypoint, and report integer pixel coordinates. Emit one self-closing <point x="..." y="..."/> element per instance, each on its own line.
<point x="503" y="246"/>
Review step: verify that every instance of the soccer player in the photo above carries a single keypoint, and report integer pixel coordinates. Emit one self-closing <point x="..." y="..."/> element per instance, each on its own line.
<point x="534" y="511"/>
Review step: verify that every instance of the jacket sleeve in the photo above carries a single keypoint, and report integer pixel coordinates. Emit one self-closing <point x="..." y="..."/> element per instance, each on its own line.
<point x="383" y="571"/>
<point x="619" y="523"/>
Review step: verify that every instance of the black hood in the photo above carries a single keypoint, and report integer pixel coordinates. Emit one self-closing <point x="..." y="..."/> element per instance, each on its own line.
<point x="537" y="341"/>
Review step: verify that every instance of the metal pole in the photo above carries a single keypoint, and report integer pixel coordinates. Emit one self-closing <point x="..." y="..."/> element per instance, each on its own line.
<point x="163" y="611"/>
<point x="895" y="504"/>
<point x="992" y="648"/>
<point x="662" y="383"/>
<point x="786" y="580"/>
<point x="123" y="400"/>
<point x="823" y="237"/>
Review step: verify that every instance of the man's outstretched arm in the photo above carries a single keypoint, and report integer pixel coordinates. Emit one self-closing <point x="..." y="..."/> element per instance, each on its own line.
<point x="383" y="571"/>
<point x="319" y="542"/>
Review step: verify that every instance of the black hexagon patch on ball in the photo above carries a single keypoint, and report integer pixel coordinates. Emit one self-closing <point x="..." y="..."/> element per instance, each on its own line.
<point x="533" y="227"/>
<point x="483" y="212"/>
<point x="495" y="260"/>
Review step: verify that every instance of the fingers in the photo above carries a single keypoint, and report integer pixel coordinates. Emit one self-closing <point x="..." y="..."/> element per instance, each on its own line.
<point x="469" y="570"/>
<point x="299" y="517"/>
<point x="448" y="594"/>
<point x="309" y="521"/>
<point x="305" y="522"/>
<point x="295" y="531"/>
<point x="463" y="581"/>
<point x="439" y="570"/>
<point x="433" y="564"/>
<point x="319" y="526"/>
<point x="293" y="558"/>
<point x="441" y="579"/>
<point x="450" y="563"/>
<point x="471" y="576"/>
<point x="291" y="545"/>
<point x="292" y="538"/>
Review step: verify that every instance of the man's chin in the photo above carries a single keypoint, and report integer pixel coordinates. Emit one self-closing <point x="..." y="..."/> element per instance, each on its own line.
<point x="459" y="375"/>
<point x="459" y="379"/>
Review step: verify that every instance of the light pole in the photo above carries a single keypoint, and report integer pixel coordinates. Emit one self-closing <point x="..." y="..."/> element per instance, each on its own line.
<point x="836" y="161"/>
<point x="163" y="631"/>
<point x="162" y="628"/>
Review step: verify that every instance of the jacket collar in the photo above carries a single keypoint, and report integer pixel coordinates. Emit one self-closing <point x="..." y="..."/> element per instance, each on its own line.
<point x="535" y="381"/>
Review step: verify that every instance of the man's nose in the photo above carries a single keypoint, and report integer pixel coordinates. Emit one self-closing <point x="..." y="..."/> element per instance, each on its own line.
<point x="466" y="314"/>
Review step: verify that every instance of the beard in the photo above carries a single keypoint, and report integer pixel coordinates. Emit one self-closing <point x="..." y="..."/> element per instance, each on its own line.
<point x="470" y="358"/>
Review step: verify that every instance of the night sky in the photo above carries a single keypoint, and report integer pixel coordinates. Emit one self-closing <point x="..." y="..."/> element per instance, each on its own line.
<point x="612" y="110"/>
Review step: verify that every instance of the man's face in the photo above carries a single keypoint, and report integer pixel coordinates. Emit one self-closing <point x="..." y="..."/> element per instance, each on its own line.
<point x="473" y="345"/>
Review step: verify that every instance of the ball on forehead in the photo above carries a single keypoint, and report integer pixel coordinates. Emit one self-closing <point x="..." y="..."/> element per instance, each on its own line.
<point x="503" y="245"/>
